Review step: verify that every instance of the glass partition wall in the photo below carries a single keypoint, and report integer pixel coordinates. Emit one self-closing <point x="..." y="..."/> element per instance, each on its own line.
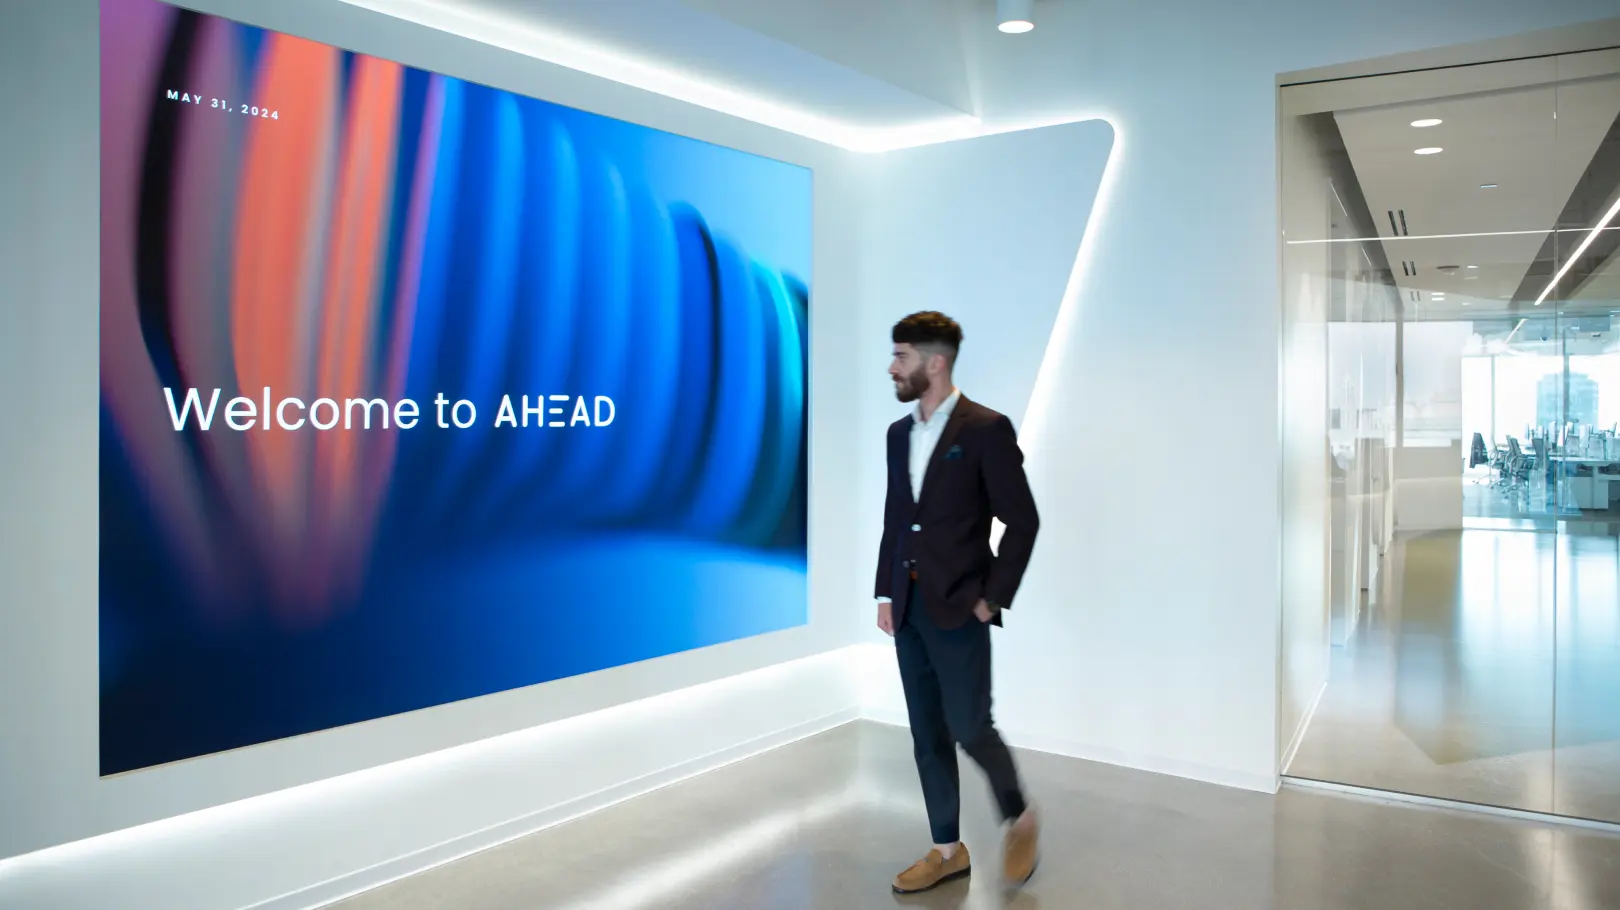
<point x="1451" y="463"/>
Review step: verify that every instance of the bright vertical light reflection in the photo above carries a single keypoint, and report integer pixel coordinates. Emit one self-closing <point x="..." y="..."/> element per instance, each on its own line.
<point x="1063" y="324"/>
<point x="1057" y="343"/>
<point x="747" y="846"/>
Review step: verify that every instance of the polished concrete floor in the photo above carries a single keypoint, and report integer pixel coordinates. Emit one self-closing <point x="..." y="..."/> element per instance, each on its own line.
<point x="1487" y="670"/>
<point x="825" y="823"/>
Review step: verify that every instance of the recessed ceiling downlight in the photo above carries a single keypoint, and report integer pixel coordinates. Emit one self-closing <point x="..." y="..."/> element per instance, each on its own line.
<point x="1431" y="150"/>
<point x="1427" y="122"/>
<point x="1014" y="16"/>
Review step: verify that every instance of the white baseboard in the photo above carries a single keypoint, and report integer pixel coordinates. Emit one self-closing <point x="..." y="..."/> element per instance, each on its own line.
<point x="362" y="880"/>
<point x="1154" y="764"/>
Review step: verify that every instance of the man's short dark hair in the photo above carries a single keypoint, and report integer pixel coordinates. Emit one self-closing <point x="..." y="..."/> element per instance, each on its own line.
<point x="929" y="331"/>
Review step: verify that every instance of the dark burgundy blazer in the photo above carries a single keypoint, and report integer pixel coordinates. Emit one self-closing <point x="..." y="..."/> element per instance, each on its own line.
<point x="976" y="474"/>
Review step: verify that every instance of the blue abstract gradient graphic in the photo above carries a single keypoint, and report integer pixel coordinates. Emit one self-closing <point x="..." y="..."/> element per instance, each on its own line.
<point x="368" y="231"/>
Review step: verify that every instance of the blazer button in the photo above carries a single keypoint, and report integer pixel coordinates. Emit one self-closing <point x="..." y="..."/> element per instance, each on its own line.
<point x="916" y="527"/>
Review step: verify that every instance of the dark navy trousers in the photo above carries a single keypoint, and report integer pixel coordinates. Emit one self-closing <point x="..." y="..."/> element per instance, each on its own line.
<point x="946" y="675"/>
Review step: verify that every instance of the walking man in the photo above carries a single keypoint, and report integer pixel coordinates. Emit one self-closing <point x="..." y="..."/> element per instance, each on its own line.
<point x="953" y="466"/>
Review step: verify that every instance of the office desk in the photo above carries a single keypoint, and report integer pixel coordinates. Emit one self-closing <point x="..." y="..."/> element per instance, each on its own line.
<point x="1586" y="492"/>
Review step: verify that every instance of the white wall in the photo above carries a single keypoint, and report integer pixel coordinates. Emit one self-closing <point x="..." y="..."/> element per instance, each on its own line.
<point x="1147" y="632"/>
<point x="50" y="792"/>
<point x="997" y="251"/>
<point x="986" y="227"/>
<point x="1158" y="567"/>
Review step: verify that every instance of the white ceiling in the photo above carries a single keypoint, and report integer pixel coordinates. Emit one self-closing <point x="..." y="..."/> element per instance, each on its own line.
<point x="1533" y="143"/>
<point x="859" y="73"/>
<point x="891" y="63"/>
<point x="795" y="55"/>
<point x="915" y="45"/>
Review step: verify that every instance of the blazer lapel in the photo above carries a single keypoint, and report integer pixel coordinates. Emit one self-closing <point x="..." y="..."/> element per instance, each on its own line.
<point x="901" y="460"/>
<point x="947" y="438"/>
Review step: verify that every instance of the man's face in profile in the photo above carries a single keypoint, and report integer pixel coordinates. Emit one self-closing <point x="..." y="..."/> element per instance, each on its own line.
<point x="909" y="370"/>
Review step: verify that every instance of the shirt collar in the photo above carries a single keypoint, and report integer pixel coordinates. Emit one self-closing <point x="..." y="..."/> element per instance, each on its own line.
<point x="941" y="413"/>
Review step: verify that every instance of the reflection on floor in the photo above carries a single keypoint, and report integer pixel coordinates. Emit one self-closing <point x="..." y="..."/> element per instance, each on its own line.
<point x="1535" y="503"/>
<point x="825" y="823"/>
<point x="1489" y="672"/>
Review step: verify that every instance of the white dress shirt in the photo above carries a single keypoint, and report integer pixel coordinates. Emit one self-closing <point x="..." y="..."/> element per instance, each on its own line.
<point x="924" y="440"/>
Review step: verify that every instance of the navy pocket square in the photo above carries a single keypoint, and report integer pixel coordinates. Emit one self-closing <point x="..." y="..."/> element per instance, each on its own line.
<point x="954" y="453"/>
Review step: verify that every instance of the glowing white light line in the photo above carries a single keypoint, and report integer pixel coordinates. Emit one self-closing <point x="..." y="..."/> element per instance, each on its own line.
<point x="1057" y="342"/>
<point x="1602" y="225"/>
<point x="573" y="52"/>
<point x="1040" y="396"/>
<point x="570" y="51"/>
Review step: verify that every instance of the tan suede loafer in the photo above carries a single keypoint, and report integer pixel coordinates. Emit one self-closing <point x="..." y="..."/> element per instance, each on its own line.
<point x="1022" y="852"/>
<point x="932" y="871"/>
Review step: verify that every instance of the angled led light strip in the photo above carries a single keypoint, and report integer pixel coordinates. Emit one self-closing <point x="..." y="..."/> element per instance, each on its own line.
<point x="1570" y="262"/>
<point x="581" y="55"/>
<point x="1057" y="341"/>
<point x="575" y="53"/>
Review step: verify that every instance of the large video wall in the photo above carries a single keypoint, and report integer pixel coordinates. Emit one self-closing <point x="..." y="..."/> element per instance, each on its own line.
<point x="414" y="390"/>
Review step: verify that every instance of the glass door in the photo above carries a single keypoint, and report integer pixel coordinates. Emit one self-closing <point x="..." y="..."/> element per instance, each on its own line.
<point x="1447" y="230"/>
<point x="1584" y="289"/>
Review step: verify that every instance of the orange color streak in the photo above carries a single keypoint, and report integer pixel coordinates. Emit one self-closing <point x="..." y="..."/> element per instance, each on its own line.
<point x="348" y="321"/>
<point x="283" y="184"/>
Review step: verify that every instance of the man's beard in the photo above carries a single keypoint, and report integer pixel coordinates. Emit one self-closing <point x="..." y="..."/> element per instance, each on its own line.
<point x="912" y="387"/>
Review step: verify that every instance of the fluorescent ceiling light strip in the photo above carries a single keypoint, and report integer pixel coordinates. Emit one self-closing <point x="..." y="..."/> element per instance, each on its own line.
<point x="1573" y="257"/>
<point x="1601" y="227"/>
